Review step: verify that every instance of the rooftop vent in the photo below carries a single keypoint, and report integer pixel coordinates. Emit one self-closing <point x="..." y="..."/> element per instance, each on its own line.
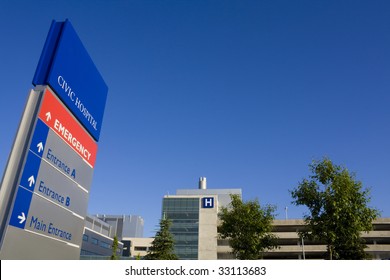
<point x="202" y="183"/>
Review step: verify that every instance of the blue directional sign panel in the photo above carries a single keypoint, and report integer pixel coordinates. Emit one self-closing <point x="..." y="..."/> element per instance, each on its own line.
<point x="30" y="171"/>
<point x="38" y="141"/>
<point x="21" y="208"/>
<point x="66" y="66"/>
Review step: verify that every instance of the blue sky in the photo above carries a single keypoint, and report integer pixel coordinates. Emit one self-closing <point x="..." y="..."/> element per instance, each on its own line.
<point x="245" y="93"/>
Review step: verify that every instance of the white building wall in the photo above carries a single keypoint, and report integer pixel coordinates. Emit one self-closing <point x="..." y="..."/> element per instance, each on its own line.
<point x="208" y="218"/>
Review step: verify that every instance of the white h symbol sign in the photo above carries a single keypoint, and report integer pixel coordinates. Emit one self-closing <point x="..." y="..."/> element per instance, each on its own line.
<point x="208" y="202"/>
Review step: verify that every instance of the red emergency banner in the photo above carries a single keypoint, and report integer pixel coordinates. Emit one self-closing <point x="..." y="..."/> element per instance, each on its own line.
<point x="61" y="121"/>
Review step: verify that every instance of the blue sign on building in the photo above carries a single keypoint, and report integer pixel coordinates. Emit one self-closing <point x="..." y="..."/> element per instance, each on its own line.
<point x="67" y="68"/>
<point x="208" y="202"/>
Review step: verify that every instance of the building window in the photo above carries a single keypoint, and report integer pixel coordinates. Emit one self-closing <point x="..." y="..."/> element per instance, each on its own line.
<point x="105" y="245"/>
<point x="94" y="241"/>
<point x="85" y="237"/>
<point x="138" y="248"/>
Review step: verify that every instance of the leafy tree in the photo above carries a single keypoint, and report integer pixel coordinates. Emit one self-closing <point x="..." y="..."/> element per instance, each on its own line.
<point x="338" y="210"/>
<point x="247" y="226"/>
<point x="114" y="255"/>
<point x="163" y="244"/>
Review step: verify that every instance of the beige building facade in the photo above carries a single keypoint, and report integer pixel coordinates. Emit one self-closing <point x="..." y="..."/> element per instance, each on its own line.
<point x="137" y="247"/>
<point x="293" y="247"/>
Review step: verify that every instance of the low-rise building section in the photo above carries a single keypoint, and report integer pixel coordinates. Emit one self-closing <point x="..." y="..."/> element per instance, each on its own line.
<point x="136" y="247"/>
<point x="293" y="247"/>
<point x="97" y="242"/>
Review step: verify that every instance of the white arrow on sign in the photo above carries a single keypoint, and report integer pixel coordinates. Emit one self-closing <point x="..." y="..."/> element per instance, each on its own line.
<point x="22" y="218"/>
<point x="40" y="147"/>
<point x="48" y="116"/>
<point x="31" y="180"/>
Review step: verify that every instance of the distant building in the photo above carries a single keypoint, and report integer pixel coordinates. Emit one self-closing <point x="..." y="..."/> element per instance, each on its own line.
<point x="99" y="232"/>
<point x="136" y="247"/>
<point x="97" y="242"/>
<point x="194" y="216"/>
<point x="124" y="225"/>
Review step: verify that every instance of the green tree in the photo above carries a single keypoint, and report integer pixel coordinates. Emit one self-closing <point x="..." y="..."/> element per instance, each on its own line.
<point x="163" y="244"/>
<point x="339" y="210"/>
<point x="114" y="255"/>
<point x="248" y="227"/>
